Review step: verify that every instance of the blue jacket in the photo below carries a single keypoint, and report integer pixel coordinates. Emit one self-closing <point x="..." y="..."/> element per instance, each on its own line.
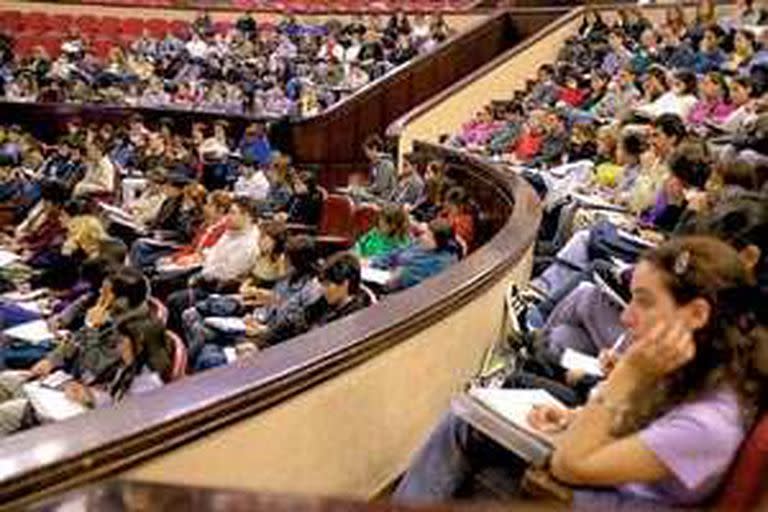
<point x="413" y="264"/>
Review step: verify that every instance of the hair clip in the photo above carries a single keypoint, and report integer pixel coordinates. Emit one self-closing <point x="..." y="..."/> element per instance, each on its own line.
<point x="681" y="263"/>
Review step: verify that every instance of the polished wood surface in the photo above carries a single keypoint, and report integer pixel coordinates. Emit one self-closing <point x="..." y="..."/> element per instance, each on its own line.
<point x="126" y="496"/>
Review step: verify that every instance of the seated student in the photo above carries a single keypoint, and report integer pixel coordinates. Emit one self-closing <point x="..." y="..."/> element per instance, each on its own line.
<point x="710" y="57"/>
<point x="100" y="175"/>
<point x="740" y="93"/>
<point x="713" y="105"/>
<point x="678" y="100"/>
<point x="410" y="184"/>
<point x="669" y="419"/>
<point x="91" y="354"/>
<point x="224" y="264"/>
<point x="430" y="254"/>
<point x="38" y="238"/>
<point x="214" y="224"/>
<point x="289" y="295"/>
<point x="458" y="211"/>
<point x="383" y="172"/>
<point x="690" y="169"/>
<point x="136" y="374"/>
<point x="254" y="147"/>
<point x="181" y="216"/>
<point x="389" y="234"/>
<point x="341" y="296"/>
<point x="305" y="205"/>
<point x="272" y="264"/>
<point x="628" y="153"/>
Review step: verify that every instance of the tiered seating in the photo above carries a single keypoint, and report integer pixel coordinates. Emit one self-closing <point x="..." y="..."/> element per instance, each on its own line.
<point x="33" y="29"/>
<point x="305" y="6"/>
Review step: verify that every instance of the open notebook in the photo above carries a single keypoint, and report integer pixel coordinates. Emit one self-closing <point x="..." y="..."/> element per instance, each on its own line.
<point x="51" y="404"/>
<point x="502" y="415"/>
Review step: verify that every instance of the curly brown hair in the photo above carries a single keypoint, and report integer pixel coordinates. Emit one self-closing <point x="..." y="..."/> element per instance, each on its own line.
<point x="707" y="268"/>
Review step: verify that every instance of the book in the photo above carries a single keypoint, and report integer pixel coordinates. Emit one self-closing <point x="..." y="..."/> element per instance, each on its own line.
<point x="502" y="415"/>
<point x="575" y="360"/>
<point x="51" y="404"/>
<point x="35" y="331"/>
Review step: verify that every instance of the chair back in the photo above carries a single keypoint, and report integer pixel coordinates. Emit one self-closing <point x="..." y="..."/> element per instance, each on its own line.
<point x="747" y="481"/>
<point x="336" y="218"/>
<point x="158" y="310"/>
<point x="179" y="355"/>
<point x="364" y="218"/>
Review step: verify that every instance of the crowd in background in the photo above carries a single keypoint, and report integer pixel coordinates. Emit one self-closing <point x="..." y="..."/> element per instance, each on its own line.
<point x="294" y="68"/>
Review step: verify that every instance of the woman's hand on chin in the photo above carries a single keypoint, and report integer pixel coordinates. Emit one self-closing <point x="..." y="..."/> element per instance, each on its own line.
<point x="665" y="348"/>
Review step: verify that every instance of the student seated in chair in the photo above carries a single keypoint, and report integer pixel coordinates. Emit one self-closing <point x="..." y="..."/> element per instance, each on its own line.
<point x="670" y="417"/>
<point x="341" y="296"/>
<point x="92" y="354"/>
<point x="433" y="251"/>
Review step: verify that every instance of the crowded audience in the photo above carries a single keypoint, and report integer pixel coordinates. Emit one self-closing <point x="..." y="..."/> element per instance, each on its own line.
<point x="186" y="251"/>
<point x="293" y="68"/>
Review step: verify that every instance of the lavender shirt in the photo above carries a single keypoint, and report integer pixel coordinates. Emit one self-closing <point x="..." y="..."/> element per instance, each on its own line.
<point x="696" y="441"/>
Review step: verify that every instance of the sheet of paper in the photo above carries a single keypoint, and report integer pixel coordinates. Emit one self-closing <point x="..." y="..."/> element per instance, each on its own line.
<point x="56" y="379"/>
<point x="35" y="331"/>
<point x="117" y="212"/>
<point x="375" y="275"/>
<point x="226" y="323"/>
<point x="7" y="258"/>
<point x="51" y="404"/>
<point x="575" y="360"/>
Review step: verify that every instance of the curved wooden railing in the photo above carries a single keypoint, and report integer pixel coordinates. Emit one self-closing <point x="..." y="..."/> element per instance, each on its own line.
<point x="195" y="430"/>
<point x="118" y="496"/>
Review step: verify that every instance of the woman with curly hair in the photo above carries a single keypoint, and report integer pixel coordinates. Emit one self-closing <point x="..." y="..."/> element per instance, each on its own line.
<point x="668" y="420"/>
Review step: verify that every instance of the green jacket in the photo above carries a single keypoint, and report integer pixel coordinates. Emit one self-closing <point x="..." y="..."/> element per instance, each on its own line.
<point x="376" y="243"/>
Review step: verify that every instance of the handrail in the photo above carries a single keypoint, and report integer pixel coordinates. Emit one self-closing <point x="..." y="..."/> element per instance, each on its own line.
<point x="59" y="456"/>
<point x="117" y="495"/>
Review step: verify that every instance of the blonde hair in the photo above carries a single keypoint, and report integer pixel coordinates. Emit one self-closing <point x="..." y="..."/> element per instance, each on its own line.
<point x="86" y="232"/>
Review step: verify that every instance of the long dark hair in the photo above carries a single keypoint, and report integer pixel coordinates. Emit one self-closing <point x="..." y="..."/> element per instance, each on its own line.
<point x="702" y="267"/>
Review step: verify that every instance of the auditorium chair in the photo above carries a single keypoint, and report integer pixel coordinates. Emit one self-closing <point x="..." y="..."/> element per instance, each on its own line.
<point x="86" y="24"/>
<point x="132" y="27"/>
<point x="157" y="27"/>
<point x="158" y="310"/>
<point x="747" y="480"/>
<point x="10" y="20"/>
<point x="364" y="218"/>
<point x="180" y="358"/>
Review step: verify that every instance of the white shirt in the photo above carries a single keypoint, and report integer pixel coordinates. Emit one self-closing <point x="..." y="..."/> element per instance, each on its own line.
<point x="255" y="186"/>
<point x="233" y="255"/>
<point x="197" y="48"/>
